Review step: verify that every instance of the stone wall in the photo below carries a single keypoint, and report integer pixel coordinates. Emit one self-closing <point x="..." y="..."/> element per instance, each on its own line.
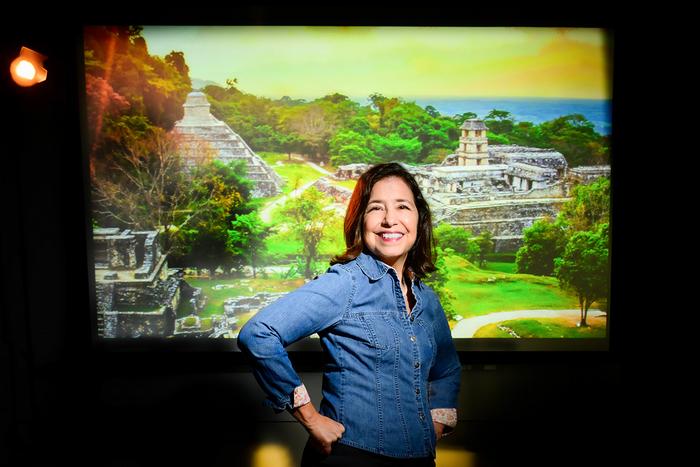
<point x="350" y="171"/>
<point x="505" y="220"/>
<point x="339" y="193"/>
<point x="588" y="174"/>
<point x="131" y="324"/>
<point x="138" y="308"/>
<point x="549" y="158"/>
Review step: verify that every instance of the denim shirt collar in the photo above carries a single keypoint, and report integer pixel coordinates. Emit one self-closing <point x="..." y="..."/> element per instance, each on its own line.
<point x="374" y="268"/>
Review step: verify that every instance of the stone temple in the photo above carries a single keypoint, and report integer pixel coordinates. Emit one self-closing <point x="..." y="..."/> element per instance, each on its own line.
<point x="203" y="137"/>
<point x="496" y="188"/>
<point x="135" y="292"/>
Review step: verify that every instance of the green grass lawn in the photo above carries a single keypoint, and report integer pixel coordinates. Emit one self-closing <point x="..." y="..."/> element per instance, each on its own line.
<point x="271" y="158"/>
<point x="479" y="292"/>
<point x="546" y="328"/>
<point x="510" y="268"/>
<point x="349" y="184"/>
<point x="296" y="174"/>
<point x="284" y="244"/>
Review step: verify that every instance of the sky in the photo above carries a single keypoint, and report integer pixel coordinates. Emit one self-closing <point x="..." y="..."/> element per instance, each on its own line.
<point x="310" y="62"/>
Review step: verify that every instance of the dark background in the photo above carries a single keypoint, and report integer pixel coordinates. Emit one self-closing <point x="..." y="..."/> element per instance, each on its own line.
<point x="62" y="400"/>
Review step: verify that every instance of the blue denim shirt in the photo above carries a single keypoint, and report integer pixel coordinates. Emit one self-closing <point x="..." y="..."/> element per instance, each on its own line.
<point x="384" y="371"/>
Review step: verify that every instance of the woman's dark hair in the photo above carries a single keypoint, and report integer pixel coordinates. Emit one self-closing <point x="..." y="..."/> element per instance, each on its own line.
<point x="420" y="258"/>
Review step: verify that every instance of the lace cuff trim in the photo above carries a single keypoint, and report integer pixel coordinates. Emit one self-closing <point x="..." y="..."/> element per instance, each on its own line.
<point x="301" y="396"/>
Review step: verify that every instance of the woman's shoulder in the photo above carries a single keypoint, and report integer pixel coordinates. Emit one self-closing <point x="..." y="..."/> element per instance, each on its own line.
<point x="347" y="268"/>
<point x="338" y="273"/>
<point x="431" y="299"/>
<point x="425" y="288"/>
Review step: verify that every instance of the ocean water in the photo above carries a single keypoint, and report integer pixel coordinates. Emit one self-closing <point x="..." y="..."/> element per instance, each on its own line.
<point x="535" y="110"/>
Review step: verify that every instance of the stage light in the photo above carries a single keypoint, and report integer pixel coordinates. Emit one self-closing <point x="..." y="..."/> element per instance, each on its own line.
<point x="28" y="68"/>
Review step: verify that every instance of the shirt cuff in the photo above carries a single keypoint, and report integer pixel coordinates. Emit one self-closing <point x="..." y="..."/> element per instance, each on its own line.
<point x="301" y="396"/>
<point x="447" y="417"/>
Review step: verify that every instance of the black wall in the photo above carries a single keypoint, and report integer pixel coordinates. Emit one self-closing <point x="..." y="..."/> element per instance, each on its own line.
<point x="60" y="401"/>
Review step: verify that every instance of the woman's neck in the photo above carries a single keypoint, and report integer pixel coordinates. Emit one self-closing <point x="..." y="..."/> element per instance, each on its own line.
<point x="397" y="265"/>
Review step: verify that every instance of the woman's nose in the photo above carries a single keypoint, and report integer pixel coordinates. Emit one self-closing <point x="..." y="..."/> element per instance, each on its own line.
<point x="389" y="218"/>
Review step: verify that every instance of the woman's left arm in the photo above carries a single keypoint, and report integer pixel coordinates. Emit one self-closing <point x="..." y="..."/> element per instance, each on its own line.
<point x="445" y="375"/>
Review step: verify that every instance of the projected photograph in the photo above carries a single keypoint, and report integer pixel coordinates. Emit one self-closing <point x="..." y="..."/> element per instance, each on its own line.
<point x="221" y="161"/>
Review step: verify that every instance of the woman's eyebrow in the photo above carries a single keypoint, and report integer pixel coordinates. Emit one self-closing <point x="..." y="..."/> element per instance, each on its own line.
<point x="399" y="200"/>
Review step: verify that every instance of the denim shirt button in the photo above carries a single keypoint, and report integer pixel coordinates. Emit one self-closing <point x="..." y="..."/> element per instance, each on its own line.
<point x="421" y="416"/>
<point x="417" y="365"/>
<point x="413" y="338"/>
<point x="417" y="390"/>
<point x="412" y="317"/>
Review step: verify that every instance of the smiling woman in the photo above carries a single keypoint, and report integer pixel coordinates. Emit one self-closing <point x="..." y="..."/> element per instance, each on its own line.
<point x="368" y="332"/>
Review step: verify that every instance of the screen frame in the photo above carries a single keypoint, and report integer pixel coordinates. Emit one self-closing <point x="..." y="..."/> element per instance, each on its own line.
<point x="470" y="349"/>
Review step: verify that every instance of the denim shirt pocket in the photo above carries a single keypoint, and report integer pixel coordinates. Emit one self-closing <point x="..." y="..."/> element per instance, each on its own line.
<point x="372" y="329"/>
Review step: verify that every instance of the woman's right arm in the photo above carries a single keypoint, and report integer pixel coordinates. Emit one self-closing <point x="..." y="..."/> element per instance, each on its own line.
<point x="311" y="308"/>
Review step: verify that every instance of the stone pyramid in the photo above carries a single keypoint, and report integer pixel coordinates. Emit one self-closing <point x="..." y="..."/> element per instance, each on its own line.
<point x="203" y="136"/>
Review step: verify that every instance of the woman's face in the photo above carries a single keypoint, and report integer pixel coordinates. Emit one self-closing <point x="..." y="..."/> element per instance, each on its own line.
<point x="391" y="221"/>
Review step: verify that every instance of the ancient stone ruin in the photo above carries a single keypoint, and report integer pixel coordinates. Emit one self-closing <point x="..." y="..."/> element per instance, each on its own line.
<point x="495" y="188"/>
<point x="340" y="194"/>
<point x="135" y="292"/>
<point x="203" y="137"/>
<point x="226" y="325"/>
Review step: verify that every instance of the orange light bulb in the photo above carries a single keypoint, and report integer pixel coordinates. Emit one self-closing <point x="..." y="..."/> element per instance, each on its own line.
<point x="28" y="69"/>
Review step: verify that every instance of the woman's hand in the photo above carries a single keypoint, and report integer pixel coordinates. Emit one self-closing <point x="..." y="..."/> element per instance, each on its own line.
<point x="439" y="428"/>
<point x="324" y="431"/>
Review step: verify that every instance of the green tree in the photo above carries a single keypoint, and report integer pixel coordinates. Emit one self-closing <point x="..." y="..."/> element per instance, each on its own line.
<point x="497" y="139"/>
<point x="221" y="192"/>
<point x="589" y="206"/>
<point x="359" y="124"/>
<point x="394" y="148"/>
<point x="290" y="144"/>
<point x="437" y="280"/>
<point x="144" y="187"/>
<point x="459" y="119"/>
<point x="585" y="268"/>
<point x="544" y="241"/>
<point x="383" y="106"/>
<point x="486" y="246"/>
<point x="526" y="134"/>
<point x="432" y="111"/>
<point x="456" y="238"/>
<point x="575" y="137"/>
<point x="409" y="121"/>
<point x="309" y="222"/>
<point x="232" y="85"/>
<point x="247" y="238"/>
<point x="177" y="61"/>
<point x="313" y="125"/>
<point x="345" y="138"/>
<point x="499" y="121"/>
<point x="354" y="154"/>
<point x="154" y="87"/>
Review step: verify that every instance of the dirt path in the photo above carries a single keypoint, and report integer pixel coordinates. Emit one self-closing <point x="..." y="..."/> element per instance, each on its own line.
<point x="266" y="212"/>
<point x="467" y="327"/>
